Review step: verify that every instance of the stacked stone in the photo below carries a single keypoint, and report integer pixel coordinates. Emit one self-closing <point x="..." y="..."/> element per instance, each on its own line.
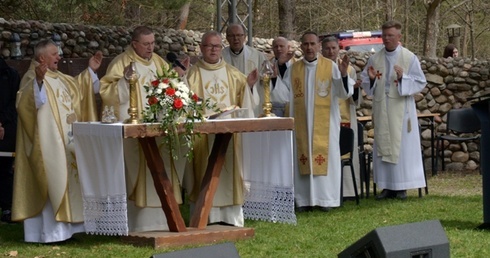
<point x="450" y="81"/>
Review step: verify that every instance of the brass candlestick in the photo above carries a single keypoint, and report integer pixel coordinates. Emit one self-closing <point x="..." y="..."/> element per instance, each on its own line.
<point x="132" y="76"/>
<point x="266" y="73"/>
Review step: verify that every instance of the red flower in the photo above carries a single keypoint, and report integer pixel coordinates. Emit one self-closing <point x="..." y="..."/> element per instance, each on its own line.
<point x="178" y="103"/>
<point x="155" y="83"/>
<point x="170" y="91"/>
<point x="195" y="97"/>
<point x="152" y="100"/>
<point x="166" y="80"/>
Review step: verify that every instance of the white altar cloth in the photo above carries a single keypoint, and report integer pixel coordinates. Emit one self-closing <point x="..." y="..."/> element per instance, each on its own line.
<point x="100" y="161"/>
<point x="268" y="176"/>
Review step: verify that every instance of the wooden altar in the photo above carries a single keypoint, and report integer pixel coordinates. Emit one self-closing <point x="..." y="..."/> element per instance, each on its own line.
<point x="197" y="232"/>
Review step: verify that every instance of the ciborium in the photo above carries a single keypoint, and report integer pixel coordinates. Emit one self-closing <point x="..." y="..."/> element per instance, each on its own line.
<point x="266" y="73"/>
<point x="132" y="76"/>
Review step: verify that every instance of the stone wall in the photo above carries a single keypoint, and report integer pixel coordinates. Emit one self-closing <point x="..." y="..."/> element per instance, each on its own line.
<point x="450" y="81"/>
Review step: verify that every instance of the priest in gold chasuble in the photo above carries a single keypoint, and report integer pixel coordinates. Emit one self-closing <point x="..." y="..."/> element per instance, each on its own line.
<point x="47" y="193"/>
<point x="212" y="78"/>
<point x="144" y="208"/>
<point x="316" y="85"/>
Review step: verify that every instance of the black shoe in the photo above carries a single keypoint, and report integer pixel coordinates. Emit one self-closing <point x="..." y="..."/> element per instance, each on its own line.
<point x="386" y="194"/>
<point x="6" y="216"/>
<point x="402" y="194"/>
<point x="303" y="209"/>
<point x="325" y="209"/>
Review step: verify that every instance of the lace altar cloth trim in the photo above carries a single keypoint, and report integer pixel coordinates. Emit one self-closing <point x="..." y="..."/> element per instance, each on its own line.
<point x="270" y="203"/>
<point x="106" y="215"/>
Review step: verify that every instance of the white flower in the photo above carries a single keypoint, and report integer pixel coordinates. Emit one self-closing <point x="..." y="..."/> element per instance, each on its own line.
<point x="150" y="91"/>
<point x="158" y="91"/>
<point x="161" y="85"/>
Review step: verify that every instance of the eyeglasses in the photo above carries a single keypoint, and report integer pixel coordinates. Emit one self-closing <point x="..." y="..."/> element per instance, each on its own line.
<point x="212" y="47"/>
<point x="234" y="35"/>
<point x="146" y="44"/>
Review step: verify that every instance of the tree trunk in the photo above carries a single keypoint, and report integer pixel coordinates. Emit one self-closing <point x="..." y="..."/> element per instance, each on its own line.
<point x="287" y="18"/>
<point x="389" y="10"/>
<point x="432" y="28"/>
<point x="184" y="15"/>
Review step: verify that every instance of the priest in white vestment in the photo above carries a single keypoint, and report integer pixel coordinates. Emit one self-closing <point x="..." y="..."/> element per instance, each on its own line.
<point x="245" y="58"/>
<point x="393" y="76"/>
<point x="212" y="78"/>
<point x="317" y="84"/>
<point x="282" y="60"/>
<point x="47" y="193"/>
<point x="348" y="116"/>
<point x="144" y="206"/>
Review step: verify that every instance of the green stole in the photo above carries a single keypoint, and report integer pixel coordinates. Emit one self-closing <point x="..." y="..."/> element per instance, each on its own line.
<point x="321" y="117"/>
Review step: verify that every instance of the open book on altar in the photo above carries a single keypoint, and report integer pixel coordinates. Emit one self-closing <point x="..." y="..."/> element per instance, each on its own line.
<point x="224" y="112"/>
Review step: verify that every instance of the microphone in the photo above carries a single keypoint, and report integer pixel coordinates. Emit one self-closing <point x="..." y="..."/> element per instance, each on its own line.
<point x="172" y="58"/>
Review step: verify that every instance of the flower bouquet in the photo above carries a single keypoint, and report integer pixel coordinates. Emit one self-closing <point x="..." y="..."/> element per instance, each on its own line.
<point x="171" y="103"/>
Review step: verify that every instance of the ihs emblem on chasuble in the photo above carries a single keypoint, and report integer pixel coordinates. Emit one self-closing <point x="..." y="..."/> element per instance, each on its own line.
<point x="216" y="89"/>
<point x="322" y="88"/>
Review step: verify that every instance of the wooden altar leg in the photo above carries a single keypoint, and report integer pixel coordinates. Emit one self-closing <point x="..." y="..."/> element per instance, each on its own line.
<point x="163" y="185"/>
<point x="210" y="181"/>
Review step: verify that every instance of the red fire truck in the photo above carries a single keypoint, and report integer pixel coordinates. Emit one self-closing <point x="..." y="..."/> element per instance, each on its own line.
<point x="361" y="41"/>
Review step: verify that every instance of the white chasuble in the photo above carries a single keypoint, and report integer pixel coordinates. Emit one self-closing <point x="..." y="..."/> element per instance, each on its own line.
<point x="60" y="172"/>
<point x="397" y="163"/>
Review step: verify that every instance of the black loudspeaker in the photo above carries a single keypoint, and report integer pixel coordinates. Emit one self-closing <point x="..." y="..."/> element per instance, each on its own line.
<point x="226" y="250"/>
<point x="425" y="239"/>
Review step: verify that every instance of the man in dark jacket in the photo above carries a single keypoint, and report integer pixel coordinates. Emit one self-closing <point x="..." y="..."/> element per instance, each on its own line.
<point x="9" y="85"/>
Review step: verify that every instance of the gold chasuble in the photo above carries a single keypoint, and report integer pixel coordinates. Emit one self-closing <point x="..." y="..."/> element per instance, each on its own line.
<point x="45" y="164"/>
<point x="224" y="85"/>
<point x="147" y="69"/>
<point x="114" y="91"/>
<point x="321" y="127"/>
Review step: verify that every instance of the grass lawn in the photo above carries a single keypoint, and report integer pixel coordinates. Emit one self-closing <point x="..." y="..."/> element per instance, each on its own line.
<point x="454" y="198"/>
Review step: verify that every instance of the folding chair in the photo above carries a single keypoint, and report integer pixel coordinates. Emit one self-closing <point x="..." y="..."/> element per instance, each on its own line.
<point x="347" y="147"/>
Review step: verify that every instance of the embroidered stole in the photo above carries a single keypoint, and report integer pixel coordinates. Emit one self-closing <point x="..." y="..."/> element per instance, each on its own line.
<point x="318" y="158"/>
<point x="345" y="103"/>
<point x="388" y="125"/>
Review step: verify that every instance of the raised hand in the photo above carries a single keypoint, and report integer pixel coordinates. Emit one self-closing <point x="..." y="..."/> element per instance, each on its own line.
<point x="371" y="72"/>
<point x="95" y="61"/>
<point x="41" y="70"/>
<point x="186" y="62"/>
<point x="252" y="78"/>
<point x="344" y="65"/>
<point x="399" y="71"/>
